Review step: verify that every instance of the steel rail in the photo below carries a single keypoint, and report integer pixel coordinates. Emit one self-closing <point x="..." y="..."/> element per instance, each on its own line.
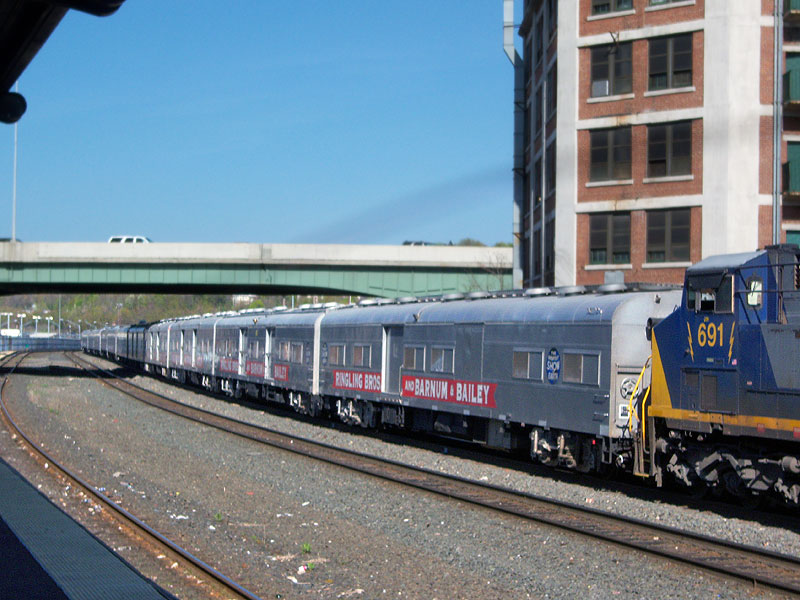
<point x="752" y="564"/>
<point x="137" y="524"/>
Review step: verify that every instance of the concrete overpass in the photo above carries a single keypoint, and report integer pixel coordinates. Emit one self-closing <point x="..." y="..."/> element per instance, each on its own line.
<point x="390" y="271"/>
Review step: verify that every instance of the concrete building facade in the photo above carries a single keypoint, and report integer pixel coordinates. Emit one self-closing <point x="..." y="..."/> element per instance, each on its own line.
<point x="644" y="135"/>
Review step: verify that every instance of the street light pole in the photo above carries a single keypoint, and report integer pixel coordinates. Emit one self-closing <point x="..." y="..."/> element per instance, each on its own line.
<point x="14" y="185"/>
<point x="21" y="317"/>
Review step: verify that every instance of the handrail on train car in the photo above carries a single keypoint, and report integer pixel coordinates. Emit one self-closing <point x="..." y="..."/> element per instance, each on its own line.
<point x="642" y="421"/>
<point x="633" y="394"/>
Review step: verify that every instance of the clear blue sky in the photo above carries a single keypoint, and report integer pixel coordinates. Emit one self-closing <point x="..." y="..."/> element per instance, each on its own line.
<point x="348" y="121"/>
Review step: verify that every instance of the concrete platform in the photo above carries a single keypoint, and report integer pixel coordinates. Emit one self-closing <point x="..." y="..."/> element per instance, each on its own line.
<point x="45" y="554"/>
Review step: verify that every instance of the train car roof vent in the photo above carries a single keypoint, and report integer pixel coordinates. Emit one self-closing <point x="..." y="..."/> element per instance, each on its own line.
<point x="478" y="295"/>
<point x="279" y="308"/>
<point x="406" y="300"/>
<point x="331" y="305"/>
<point x="368" y="302"/>
<point x="571" y="290"/>
<point x="539" y="291"/>
<point x="304" y="307"/>
<point x="611" y="288"/>
<point x="382" y="301"/>
<point x="451" y="297"/>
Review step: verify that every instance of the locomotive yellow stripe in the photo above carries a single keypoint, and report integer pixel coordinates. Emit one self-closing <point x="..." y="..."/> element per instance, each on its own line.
<point x="659" y="397"/>
<point x="754" y="422"/>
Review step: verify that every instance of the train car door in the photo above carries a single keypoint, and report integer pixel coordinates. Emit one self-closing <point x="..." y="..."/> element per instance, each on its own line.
<point x="242" y="349"/>
<point x="469" y="352"/>
<point x="392" y="359"/>
<point x="268" y="353"/>
<point x="194" y="348"/>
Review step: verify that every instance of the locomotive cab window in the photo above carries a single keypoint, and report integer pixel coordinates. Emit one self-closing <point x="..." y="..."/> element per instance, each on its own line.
<point x="718" y="299"/>
<point x="755" y="288"/>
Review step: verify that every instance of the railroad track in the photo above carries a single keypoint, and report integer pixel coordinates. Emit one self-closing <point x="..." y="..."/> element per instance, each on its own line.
<point x="761" y="567"/>
<point x="227" y="586"/>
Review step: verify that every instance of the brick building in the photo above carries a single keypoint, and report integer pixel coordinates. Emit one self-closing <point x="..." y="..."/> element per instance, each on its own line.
<point x="644" y="135"/>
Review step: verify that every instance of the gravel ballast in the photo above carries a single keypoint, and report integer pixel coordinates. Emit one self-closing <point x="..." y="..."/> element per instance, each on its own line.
<point x="283" y="524"/>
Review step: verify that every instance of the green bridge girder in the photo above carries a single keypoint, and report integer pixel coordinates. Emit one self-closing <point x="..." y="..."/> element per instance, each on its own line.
<point x="403" y="277"/>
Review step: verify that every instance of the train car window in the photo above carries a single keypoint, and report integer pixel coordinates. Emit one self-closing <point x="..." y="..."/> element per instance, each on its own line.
<point x="591" y="369"/>
<point x="414" y="358"/>
<point x="520" y="365"/>
<point x="283" y="351"/>
<point x="442" y="360"/>
<point x="336" y="354"/>
<point x="527" y="365"/>
<point x="362" y="355"/>
<point x="572" y="368"/>
<point x="755" y="288"/>
<point x="581" y="368"/>
<point x="297" y="353"/>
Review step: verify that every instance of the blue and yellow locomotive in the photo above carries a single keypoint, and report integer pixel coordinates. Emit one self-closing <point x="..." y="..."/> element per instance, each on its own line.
<point x="724" y="407"/>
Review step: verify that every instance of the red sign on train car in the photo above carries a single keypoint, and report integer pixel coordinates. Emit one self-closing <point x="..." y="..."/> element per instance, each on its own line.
<point x="473" y="393"/>
<point x="254" y="368"/>
<point x="357" y="380"/>
<point x="280" y="372"/>
<point x="228" y="365"/>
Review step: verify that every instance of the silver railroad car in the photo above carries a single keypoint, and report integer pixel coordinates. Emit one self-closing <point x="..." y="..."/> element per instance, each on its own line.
<point x="554" y="367"/>
<point x="293" y="357"/>
<point x="358" y="346"/>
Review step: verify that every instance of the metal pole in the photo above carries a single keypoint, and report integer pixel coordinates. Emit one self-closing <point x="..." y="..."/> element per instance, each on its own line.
<point x="59" y="315"/>
<point x="544" y="182"/>
<point x="14" y="185"/>
<point x="777" y="118"/>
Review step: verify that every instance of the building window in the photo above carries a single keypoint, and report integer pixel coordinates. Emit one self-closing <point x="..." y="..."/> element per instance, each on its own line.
<point x="414" y="358"/>
<point x="612" y="70"/>
<point x="552" y="89"/>
<point x="538" y="111"/>
<point x="611" y="154"/>
<point x="669" y="149"/>
<point x="601" y="7"/>
<point x="537" y="182"/>
<point x="336" y="354"/>
<point x="539" y="40"/>
<point x="552" y="15"/>
<point x="550" y="158"/>
<point x="362" y="355"/>
<point x="670" y="62"/>
<point x="668" y="234"/>
<point x="442" y="360"/>
<point x="528" y="66"/>
<point x="610" y="239"/>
